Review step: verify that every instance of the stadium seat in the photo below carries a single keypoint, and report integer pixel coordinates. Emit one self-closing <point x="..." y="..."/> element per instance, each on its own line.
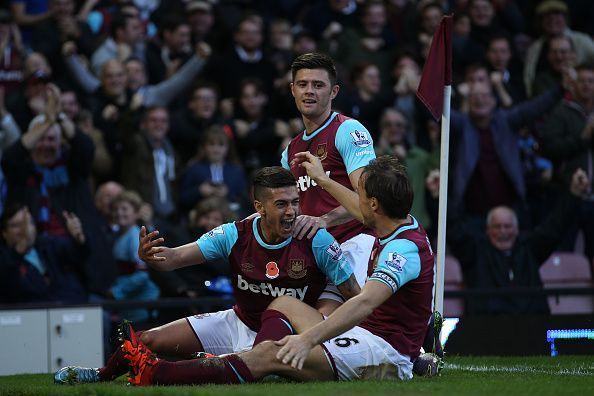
<point x="453" y="307"/>
<point x="566" y="270"/>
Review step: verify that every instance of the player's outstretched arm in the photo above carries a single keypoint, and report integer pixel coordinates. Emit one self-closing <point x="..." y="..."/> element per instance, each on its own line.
<point x="162" y="258"/>
<point x="347" y="198"/>
<point x="295" y="349"/>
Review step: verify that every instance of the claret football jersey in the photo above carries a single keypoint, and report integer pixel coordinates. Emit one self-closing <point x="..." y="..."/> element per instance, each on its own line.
<point x="343" y="145"/>
<point x="261" y="271"/>
<point x="404" y="262"/>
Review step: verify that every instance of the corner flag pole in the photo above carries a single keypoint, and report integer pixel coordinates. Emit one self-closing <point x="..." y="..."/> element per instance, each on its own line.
<point x="435" y="90"/>
<point x="443" y="199"/>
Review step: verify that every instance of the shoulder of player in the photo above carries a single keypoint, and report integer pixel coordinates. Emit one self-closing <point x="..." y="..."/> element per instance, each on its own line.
<point x="403" y="246"/>
<point x="351" y="133"/>
<point x="322" y="238"/>
<point x="242" y="225"/>
<point x="348" y="125"/>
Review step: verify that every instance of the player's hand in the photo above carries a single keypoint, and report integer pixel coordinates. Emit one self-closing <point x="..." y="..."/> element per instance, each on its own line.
<point x="307" y="225"/>
<point x="312" y="165"/>
<point x="149" y="247"/>
<point x="295" y="349"/>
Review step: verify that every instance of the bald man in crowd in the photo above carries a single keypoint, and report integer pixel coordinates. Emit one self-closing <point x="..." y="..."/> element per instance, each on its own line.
<point x="504" y="258"/>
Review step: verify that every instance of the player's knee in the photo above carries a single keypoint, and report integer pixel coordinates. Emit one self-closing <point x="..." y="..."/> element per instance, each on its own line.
<point x="266" y="351"/>
<point x="150" y="338"/>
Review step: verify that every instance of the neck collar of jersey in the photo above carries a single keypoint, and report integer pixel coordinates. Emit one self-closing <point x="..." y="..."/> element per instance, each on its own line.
<point x="261" y="240"/>
<point x="324" y="125"/>
<point x="400" y="229"/>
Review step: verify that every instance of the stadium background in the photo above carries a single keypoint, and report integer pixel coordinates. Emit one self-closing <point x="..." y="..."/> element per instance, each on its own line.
<point x="237" y="98"/>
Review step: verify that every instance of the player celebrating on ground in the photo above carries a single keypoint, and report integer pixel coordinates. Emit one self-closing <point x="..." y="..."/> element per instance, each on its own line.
<point x="266" y="262"/>
<point x="344" y="147"/>
<point x="391" y="311"/>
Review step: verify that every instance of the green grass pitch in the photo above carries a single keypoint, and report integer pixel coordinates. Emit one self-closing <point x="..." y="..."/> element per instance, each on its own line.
<point x="562" y="375"/>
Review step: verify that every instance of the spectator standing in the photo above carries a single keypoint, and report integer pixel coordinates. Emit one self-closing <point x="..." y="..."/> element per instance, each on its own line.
<point x="149" y="146"/>
<point x="487" y="170"/>
<point x="246" y="59"/>
<point x="259" y="136"/>
<point x="166" y="56"/>
<point x="503" y="68"/>
<point x="417" y="161"/>
<point x="125" y="40"/>
<point x="30" y="100"/>
<point x="366" y="101"/>
<point x="568" y="140"/>
<point x="560" y="59"/>
<point x="553" y="19"/>
<point x="189" y="123"/>
<point x="47" y="169"/>
<point x="63" y="26"/>
<point x="372" y="42"/>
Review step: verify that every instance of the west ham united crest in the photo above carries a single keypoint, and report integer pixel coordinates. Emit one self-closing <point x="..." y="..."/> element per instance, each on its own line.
<point x="296" y="269"/>
<point x="322" y="151"/>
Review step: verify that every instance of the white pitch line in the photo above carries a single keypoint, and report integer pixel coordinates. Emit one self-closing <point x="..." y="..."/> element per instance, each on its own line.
<point x="579" y="371"/>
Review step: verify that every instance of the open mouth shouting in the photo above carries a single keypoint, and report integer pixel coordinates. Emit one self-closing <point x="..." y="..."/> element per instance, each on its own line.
<point x="287" y="225"/>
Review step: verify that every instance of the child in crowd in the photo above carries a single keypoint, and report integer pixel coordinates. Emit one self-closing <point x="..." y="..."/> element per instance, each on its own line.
<point x="206" y="215"/>
<point x="133" y="282"/>
<point x="214" y="174"/>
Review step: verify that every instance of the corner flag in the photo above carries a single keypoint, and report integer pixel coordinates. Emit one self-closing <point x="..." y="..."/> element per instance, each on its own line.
<point x="437" y="72"/>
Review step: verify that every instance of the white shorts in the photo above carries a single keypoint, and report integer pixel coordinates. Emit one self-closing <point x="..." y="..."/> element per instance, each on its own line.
<point x="222" y="332"/>
<point x="356" y="251"/>
<point x="359" y="355"/>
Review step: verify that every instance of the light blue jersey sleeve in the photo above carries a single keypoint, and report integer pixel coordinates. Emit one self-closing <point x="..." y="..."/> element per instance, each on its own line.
<point x="355" y="145"/>
<point x="398" y="263"/>
<point x="329" y="257"/>
<point x="217" y="243"/>
<point x="285" y="159"/>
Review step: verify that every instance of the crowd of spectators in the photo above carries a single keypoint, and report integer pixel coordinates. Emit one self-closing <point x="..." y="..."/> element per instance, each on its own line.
<point x="122" y="113"/>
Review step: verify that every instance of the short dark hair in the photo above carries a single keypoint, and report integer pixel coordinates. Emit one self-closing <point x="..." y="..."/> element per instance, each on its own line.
<point x="499" y="37"/>
<point x="271" y="177"/>
<point x="386" y="180"/>
<point x="148" y="110"/>
<point x="315" y="60"/>
<point x="9" y="212"/>
<point x="119" y="22"/>
<point x="205" y="84"/>
<point x="171" y="23"/>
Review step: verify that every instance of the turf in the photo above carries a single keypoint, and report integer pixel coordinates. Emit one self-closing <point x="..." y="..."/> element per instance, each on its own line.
<point x="462" y="376"/>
